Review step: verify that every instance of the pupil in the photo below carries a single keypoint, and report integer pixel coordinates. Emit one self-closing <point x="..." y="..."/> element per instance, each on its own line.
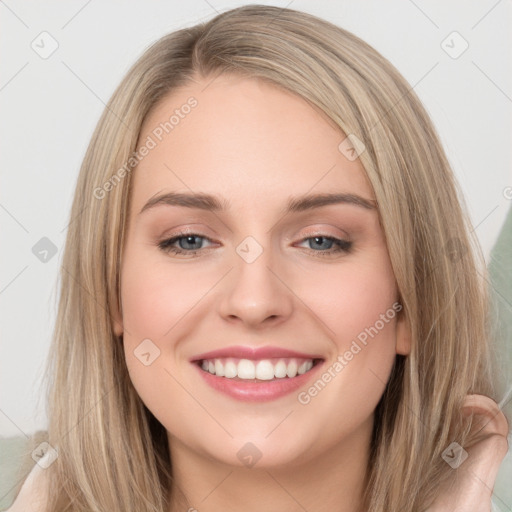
<point x="319" y="239"/>
<point x="190" y="239"/>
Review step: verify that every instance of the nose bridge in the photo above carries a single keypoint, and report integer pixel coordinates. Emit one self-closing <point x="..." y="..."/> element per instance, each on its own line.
<point x="254" y="292"/>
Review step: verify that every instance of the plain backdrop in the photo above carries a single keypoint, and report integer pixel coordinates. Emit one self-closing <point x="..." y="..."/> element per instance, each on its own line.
<point x="51" y="104"/>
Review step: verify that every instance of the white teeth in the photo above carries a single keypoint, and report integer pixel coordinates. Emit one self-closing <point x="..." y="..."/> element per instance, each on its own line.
<point x="219" y="368"/>
<point x="291" y="369"/>
<point x="304" y="367"/>
<point x="280" y="369"/>
<point x="264" y="369"/>
<point x="230" y="369"/>
<point x="246" y="369"/>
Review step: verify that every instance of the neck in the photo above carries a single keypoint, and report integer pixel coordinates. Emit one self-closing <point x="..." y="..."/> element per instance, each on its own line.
<point x="333" y="480"/>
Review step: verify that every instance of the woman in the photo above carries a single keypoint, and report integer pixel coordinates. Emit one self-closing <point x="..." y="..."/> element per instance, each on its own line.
<point x="262" y="304"/>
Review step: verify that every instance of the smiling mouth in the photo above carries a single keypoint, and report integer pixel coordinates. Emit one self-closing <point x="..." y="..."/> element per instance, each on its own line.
<point x="257" y="370"/>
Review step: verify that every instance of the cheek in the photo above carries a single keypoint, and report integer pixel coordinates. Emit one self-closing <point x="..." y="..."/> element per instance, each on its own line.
<point x="154" y="300"/>
<point x="357" y="306"/>
<point x="351" y="297"/>
<point x="156" y="295"/>
<point x="357" y="303"/>
<point x="160" y="302"/>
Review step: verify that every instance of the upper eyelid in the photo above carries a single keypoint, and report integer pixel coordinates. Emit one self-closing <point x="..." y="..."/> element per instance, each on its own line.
<point x="200" y="231"/>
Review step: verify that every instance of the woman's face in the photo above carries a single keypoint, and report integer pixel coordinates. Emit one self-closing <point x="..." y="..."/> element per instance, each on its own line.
<point x="274" y="289"/>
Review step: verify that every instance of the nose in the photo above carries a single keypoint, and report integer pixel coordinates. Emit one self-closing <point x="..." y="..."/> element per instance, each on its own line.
<point x="256" y="294"/>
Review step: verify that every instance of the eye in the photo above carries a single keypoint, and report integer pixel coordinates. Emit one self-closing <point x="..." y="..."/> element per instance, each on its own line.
<point x="332" y="245"/>
<point x="191" y="243"/>
<point x="190" y="246"/>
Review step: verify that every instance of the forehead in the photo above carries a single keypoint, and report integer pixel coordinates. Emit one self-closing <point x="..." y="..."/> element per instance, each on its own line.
<point x="244" y="139"/>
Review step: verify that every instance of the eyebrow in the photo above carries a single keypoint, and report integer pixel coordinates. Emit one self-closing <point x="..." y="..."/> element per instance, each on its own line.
<point x="218" y="204"/>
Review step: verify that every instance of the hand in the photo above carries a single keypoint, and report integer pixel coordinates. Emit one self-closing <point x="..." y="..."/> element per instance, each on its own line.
<point x="471" y="487"/>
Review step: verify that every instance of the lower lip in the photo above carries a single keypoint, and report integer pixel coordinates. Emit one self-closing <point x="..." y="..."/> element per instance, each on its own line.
<point x="261" y="391"/>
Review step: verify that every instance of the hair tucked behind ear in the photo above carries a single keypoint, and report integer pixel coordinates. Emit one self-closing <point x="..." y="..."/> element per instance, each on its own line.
<point x="113" y="454"/>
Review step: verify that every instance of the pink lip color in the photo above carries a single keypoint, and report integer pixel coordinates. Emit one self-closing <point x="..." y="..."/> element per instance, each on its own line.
<point x="249" y="390"/>
<point x="261" y="391"/>
<point x="240" y="352"/>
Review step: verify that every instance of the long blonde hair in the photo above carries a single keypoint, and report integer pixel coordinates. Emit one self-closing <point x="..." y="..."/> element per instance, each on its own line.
<point x="113" y="453"/>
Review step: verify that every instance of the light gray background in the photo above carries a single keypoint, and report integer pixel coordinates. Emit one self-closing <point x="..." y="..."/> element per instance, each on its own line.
<point x="50" y="108"/>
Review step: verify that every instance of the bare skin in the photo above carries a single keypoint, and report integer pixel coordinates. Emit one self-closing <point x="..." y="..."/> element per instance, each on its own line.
<point x="257" y="146"/>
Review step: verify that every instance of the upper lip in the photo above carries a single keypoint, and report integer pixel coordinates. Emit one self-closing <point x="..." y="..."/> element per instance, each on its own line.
<point x="245" y="352"/>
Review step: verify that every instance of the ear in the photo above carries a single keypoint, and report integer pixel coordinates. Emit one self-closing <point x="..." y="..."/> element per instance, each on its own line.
<point x="117" y="322"/>
<point x="470" y="487"/>
<point x="489" y="419"/>
<point x="403" y="334"/>
<point x="489" y="443"/>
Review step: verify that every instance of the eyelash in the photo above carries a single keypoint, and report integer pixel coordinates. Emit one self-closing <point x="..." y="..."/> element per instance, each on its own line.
<point x="343" y="246"/>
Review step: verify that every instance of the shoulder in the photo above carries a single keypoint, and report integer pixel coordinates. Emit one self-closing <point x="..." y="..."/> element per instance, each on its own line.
<point x="32" y="495"/>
